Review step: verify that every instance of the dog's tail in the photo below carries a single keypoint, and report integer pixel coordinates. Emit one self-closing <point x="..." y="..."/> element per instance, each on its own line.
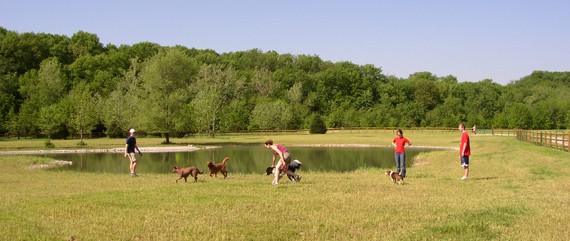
<point x="225" y="160"/>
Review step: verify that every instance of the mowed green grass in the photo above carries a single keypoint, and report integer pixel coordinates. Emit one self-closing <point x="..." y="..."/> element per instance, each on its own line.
<point x="516" y="191"/>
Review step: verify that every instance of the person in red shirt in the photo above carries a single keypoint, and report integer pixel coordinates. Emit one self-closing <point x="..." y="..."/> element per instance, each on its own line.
<point x="400" y="142"/>
<point x="464" y="151"/>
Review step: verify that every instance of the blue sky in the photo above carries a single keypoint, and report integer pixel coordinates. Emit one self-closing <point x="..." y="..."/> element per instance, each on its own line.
<point x="472" y="40"/>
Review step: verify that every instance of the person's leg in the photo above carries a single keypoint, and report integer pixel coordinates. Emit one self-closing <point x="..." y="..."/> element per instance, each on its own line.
<point x="398" y="158"/>
<point x="288" y="159"/>
<point x="277" y="172"/>
<point x="134" y="167"/>
<point x="403" y="163"/>
<point x="465" y="164"/>
<point x="133" y="164"/>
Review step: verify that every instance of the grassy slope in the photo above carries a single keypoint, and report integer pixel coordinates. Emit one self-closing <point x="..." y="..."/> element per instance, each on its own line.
<point x="517" y="191"/>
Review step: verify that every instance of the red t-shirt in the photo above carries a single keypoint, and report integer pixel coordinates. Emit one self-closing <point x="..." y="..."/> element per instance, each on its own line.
<point x="465" y="139"/>
<point x="400" y="144"/>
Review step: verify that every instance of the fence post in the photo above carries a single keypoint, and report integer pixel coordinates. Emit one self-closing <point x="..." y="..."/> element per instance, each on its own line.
<point x="550" y="139"/>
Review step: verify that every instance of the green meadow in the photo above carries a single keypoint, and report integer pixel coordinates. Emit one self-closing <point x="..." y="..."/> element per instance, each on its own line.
<point x="516" y="191"/>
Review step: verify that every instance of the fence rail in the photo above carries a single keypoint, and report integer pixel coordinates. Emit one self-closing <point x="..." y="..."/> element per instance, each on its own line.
<point x="556" y="140"/>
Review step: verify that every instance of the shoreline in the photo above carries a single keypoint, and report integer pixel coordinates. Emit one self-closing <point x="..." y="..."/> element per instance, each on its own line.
<point x="191" y="148"/>
<point x="188" y="148"/>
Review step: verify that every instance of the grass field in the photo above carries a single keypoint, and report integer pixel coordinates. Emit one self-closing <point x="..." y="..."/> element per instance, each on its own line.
<point x="516" y="191"/>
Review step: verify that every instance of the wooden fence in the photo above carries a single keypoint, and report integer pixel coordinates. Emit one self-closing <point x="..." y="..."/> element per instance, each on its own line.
<point x="552" y="139"/>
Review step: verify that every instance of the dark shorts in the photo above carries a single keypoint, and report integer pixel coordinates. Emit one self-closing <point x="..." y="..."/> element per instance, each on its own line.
<point x="287" y="157"/>
<point x="465" y="161"/>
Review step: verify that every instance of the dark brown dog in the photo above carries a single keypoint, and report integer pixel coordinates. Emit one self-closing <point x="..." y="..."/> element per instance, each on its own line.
<point x="396" y="177"/>
<point x="187" y="171"/>
<point x="218" y="167"/>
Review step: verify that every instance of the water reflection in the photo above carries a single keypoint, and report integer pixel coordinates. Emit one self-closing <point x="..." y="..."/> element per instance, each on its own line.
<point x="243" y="159"/>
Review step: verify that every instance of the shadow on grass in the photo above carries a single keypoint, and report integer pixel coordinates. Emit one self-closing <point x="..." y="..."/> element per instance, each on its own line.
<point x="484" y="178"/>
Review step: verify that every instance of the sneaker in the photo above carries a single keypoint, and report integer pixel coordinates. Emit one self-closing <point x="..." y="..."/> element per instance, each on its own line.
<point x="274" y="183"/>
<point x="464" y="179"/>
<point x="134" y="175"/>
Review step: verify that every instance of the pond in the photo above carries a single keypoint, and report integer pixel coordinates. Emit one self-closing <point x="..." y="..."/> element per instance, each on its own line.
<point x="243" y="159"/>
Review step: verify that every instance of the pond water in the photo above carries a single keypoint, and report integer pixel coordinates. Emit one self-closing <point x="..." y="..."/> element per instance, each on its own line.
<point x="243" y="159"/>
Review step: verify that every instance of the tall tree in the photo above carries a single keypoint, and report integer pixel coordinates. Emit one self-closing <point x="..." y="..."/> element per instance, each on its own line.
<point x="217" y="87"/>
<point x="84" y="110"/>
<point x="275" y="115"/>
<point x="121" y="107"/>
<point x="39" y="89"/>
<point x="52" y="119"/>
<point x="167" y="78"/>
<point x="84" y="43"/>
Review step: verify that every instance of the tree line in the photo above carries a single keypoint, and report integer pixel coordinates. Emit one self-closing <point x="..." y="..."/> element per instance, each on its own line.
<point x="56" y="86"/>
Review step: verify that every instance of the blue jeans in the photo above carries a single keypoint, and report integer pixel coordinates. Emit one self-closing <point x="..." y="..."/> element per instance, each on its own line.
<point x="401" y="163"/>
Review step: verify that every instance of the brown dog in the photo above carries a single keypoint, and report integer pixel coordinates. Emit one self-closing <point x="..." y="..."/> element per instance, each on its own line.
<point x="218" y="167"/>
<point x="396" y="177"/>
<point x="187" y="171"/>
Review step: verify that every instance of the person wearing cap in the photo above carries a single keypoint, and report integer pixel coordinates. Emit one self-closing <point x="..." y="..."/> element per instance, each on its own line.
<point x="130" y="151"/>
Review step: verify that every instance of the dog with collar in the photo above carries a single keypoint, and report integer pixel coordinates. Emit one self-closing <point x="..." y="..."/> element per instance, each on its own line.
<point x="396" y="177"/>
<point x="295" y="164"/>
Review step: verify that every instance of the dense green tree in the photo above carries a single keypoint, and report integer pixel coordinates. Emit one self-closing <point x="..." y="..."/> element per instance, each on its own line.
<point x="21" y="52"/>
<point x="8" y="98"/>
<point x="236" y="116"/>
<point x="158" y="91"/>
<point x="85" y="111"/>
<point x="426" y="93"/>
<point x="52" y="119"/>
<point x="317" y="125"/>
<point x="274" y="115"/>
<point x="39" y="89"/>
<point x="216" y="88"/>
<point x="83" y="43"/>
<point x="167" y="78"/>
<point x="122" y="106"/>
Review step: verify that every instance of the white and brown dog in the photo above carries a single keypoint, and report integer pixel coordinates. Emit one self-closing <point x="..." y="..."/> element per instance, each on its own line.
<point x="396" y="177"/>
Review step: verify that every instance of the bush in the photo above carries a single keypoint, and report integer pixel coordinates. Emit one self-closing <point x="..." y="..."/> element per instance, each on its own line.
<point x="317" y="125"/>
<point x="49" y="144"/>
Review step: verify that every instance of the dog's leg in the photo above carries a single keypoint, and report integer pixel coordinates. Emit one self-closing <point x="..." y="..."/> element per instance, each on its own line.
<point x="178" y="179"/>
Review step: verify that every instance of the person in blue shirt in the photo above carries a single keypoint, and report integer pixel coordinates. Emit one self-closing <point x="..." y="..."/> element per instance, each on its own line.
<point x="130" y="148"/>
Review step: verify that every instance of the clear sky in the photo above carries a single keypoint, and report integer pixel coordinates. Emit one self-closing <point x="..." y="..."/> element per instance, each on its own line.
<point x="502" y="40"/>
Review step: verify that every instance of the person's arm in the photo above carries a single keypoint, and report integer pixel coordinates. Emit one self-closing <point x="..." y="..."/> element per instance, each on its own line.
<point x="137" y="147"/>
<point x="126" y="147"/>
<point x="463" y="149"/>
<point x="273" y="159"/>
